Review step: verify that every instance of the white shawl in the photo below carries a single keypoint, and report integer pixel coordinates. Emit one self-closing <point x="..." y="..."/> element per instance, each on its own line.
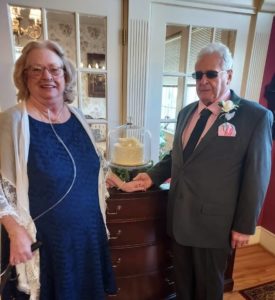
<point x="14" y="201"/>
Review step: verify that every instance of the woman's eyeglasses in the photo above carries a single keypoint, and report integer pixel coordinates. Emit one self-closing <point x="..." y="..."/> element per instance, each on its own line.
<point x="209" y="74"/>
<point x="37" y="71"/>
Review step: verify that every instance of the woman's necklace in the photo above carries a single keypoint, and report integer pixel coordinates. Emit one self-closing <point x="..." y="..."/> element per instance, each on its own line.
<point x="47" y="115"/>
<point x="56" y="119"/>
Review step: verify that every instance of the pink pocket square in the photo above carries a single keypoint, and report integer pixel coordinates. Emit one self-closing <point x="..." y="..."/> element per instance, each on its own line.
<point x="227" y="129"/>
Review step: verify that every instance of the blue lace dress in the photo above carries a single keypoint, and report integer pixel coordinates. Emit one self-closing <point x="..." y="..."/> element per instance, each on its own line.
<point x="75" y="261"/>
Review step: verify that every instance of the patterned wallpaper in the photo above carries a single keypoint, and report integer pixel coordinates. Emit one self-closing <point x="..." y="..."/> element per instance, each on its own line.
<point x="64" y="34"/>
<point x="61" y="28"/>
<point x="92" y="38"/>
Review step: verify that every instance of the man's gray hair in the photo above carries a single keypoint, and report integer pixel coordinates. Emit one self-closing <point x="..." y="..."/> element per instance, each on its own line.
<point x="223" y="52"/>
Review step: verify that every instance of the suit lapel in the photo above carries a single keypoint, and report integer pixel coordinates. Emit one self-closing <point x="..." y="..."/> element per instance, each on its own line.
<point x="213" y="131"/>
<point x="205" y="141"/>
<point x="184" y="122"/>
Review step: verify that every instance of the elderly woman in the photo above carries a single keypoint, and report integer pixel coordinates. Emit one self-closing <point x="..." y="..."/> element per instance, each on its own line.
<point x="52" y="186"/>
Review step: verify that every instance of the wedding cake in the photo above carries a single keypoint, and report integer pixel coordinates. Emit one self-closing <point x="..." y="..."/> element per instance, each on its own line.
<point x="128" y="152"/>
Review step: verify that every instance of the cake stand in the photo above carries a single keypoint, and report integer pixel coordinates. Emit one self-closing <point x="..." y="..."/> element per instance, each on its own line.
<point x="129" y="150"/>
<point x="127" y="173"/>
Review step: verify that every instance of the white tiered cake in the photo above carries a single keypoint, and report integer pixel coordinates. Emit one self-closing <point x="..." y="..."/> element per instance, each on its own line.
<point x="128" y="152"/>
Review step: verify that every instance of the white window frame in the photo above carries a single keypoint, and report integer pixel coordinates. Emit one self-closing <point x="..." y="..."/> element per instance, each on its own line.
<point x="159" y="18"/>
<point x="112" y="9"/>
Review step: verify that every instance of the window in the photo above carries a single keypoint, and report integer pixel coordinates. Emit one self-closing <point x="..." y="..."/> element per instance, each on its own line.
<point x="84" y="39"/>
<point x="178" y="87"/>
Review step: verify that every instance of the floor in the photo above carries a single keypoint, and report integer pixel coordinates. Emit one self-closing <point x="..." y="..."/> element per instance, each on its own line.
<point x="253" y="266"/>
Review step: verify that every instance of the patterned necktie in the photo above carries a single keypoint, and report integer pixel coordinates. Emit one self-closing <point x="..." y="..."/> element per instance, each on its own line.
<point x="196" y="133"/>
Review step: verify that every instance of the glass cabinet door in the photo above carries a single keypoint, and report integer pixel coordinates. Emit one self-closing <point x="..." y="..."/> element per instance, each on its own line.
<point x="26" y="24"/>
<point x="84" y="40"/>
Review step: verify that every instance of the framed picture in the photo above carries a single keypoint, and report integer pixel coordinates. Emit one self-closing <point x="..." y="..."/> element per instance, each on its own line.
<point x="96" y="85"/>
<point x="96" y="82"/>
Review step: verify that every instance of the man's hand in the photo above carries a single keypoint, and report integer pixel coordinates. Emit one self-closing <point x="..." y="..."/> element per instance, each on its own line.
<point x="145" y="178"/>
<point x="113" y="180"/>
<point x="132" y="186"/>
<point x="238" y="239"/>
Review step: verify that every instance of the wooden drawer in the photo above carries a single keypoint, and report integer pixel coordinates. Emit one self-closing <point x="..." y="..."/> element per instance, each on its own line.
<point x="139" y="260"/>
<point x="150" y="286"/>
<point x="131" y="206"/>
<point x="137" y="233"/>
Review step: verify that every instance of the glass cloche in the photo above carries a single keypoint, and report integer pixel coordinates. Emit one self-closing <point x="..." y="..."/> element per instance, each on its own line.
<point x="129" y="147"/>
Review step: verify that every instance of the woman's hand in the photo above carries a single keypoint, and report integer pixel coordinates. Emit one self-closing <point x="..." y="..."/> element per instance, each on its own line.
<point x="20" y="241"/>
<point x="132" y="186"/>
<point x="113" y="180"/>
<point x="20" y="246"/>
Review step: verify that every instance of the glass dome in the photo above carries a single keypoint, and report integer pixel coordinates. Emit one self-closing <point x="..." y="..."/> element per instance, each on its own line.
<point x="129" y="146"/>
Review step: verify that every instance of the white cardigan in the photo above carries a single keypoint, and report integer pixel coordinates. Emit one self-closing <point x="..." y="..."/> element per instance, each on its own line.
<point x="14" y="201"/>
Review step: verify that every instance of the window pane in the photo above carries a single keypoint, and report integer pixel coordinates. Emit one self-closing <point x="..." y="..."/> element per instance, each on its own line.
<point x="172" y="96"/>
<point x="200" y="37"/>
<point x="191" y="95"/>
<point x="227" y="37"/>
<point x="93" y="41"/>
<point x="93" y="95"/>
<point x="172" y="54"/>
<point x="99" y="133"/>
<point x="167" y="131"/>
<point x="175" y="48"/>
<point x="61" y="29"/>
<point x="169" y="102"/>
<point x="26" y="26"/>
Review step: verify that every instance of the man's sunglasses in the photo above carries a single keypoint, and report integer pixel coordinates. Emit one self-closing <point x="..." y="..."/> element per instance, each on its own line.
<point x="209" y="74"/>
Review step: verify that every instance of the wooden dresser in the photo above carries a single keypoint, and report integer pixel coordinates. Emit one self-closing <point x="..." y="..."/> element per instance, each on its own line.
<point x="140" y="252"/>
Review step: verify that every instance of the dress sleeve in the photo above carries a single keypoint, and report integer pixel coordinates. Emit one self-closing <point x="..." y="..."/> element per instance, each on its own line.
<point x="7" y="198"/>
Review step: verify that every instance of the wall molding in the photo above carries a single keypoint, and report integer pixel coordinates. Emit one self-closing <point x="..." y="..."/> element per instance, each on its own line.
<point x="137" y="70"/>
<point x="255" y="239"/>
<point x="237" y="6"/>
<point x="256" y="57"/>
<point x="265" y="238"/>
<point x="244" y="6"/>
<point x="268" y="6"/>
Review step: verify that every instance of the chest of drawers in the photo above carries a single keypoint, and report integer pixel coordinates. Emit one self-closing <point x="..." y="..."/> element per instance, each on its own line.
<point x="140" y="248"/>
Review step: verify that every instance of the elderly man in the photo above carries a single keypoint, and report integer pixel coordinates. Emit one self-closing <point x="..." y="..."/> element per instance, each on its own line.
<point x="220" y="168"/>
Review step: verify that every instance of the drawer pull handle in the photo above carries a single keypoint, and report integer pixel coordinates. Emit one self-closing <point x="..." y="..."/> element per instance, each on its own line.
<point x="170" y="254"/>
<point x="118" y="290"/>
<point x="118" y="261"/>
<point x="118" y="208"/>
<point x="117" y="235"/>
<point x="169" y="282"/>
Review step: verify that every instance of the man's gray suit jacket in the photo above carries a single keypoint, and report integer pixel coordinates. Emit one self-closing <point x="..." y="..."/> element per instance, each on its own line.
<point x="222" y="185"/>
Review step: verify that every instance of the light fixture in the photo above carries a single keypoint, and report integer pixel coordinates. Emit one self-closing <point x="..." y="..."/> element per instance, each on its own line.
<point x="26" y="22"/>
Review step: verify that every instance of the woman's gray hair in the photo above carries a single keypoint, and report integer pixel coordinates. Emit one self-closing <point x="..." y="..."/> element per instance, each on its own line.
<point x="20" y="76"/>
<point x="223" y="52"/>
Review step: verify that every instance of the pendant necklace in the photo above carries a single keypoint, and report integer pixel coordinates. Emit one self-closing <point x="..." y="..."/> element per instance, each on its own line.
<point x="56" y="120"/>
<point x="47" y="115"/>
